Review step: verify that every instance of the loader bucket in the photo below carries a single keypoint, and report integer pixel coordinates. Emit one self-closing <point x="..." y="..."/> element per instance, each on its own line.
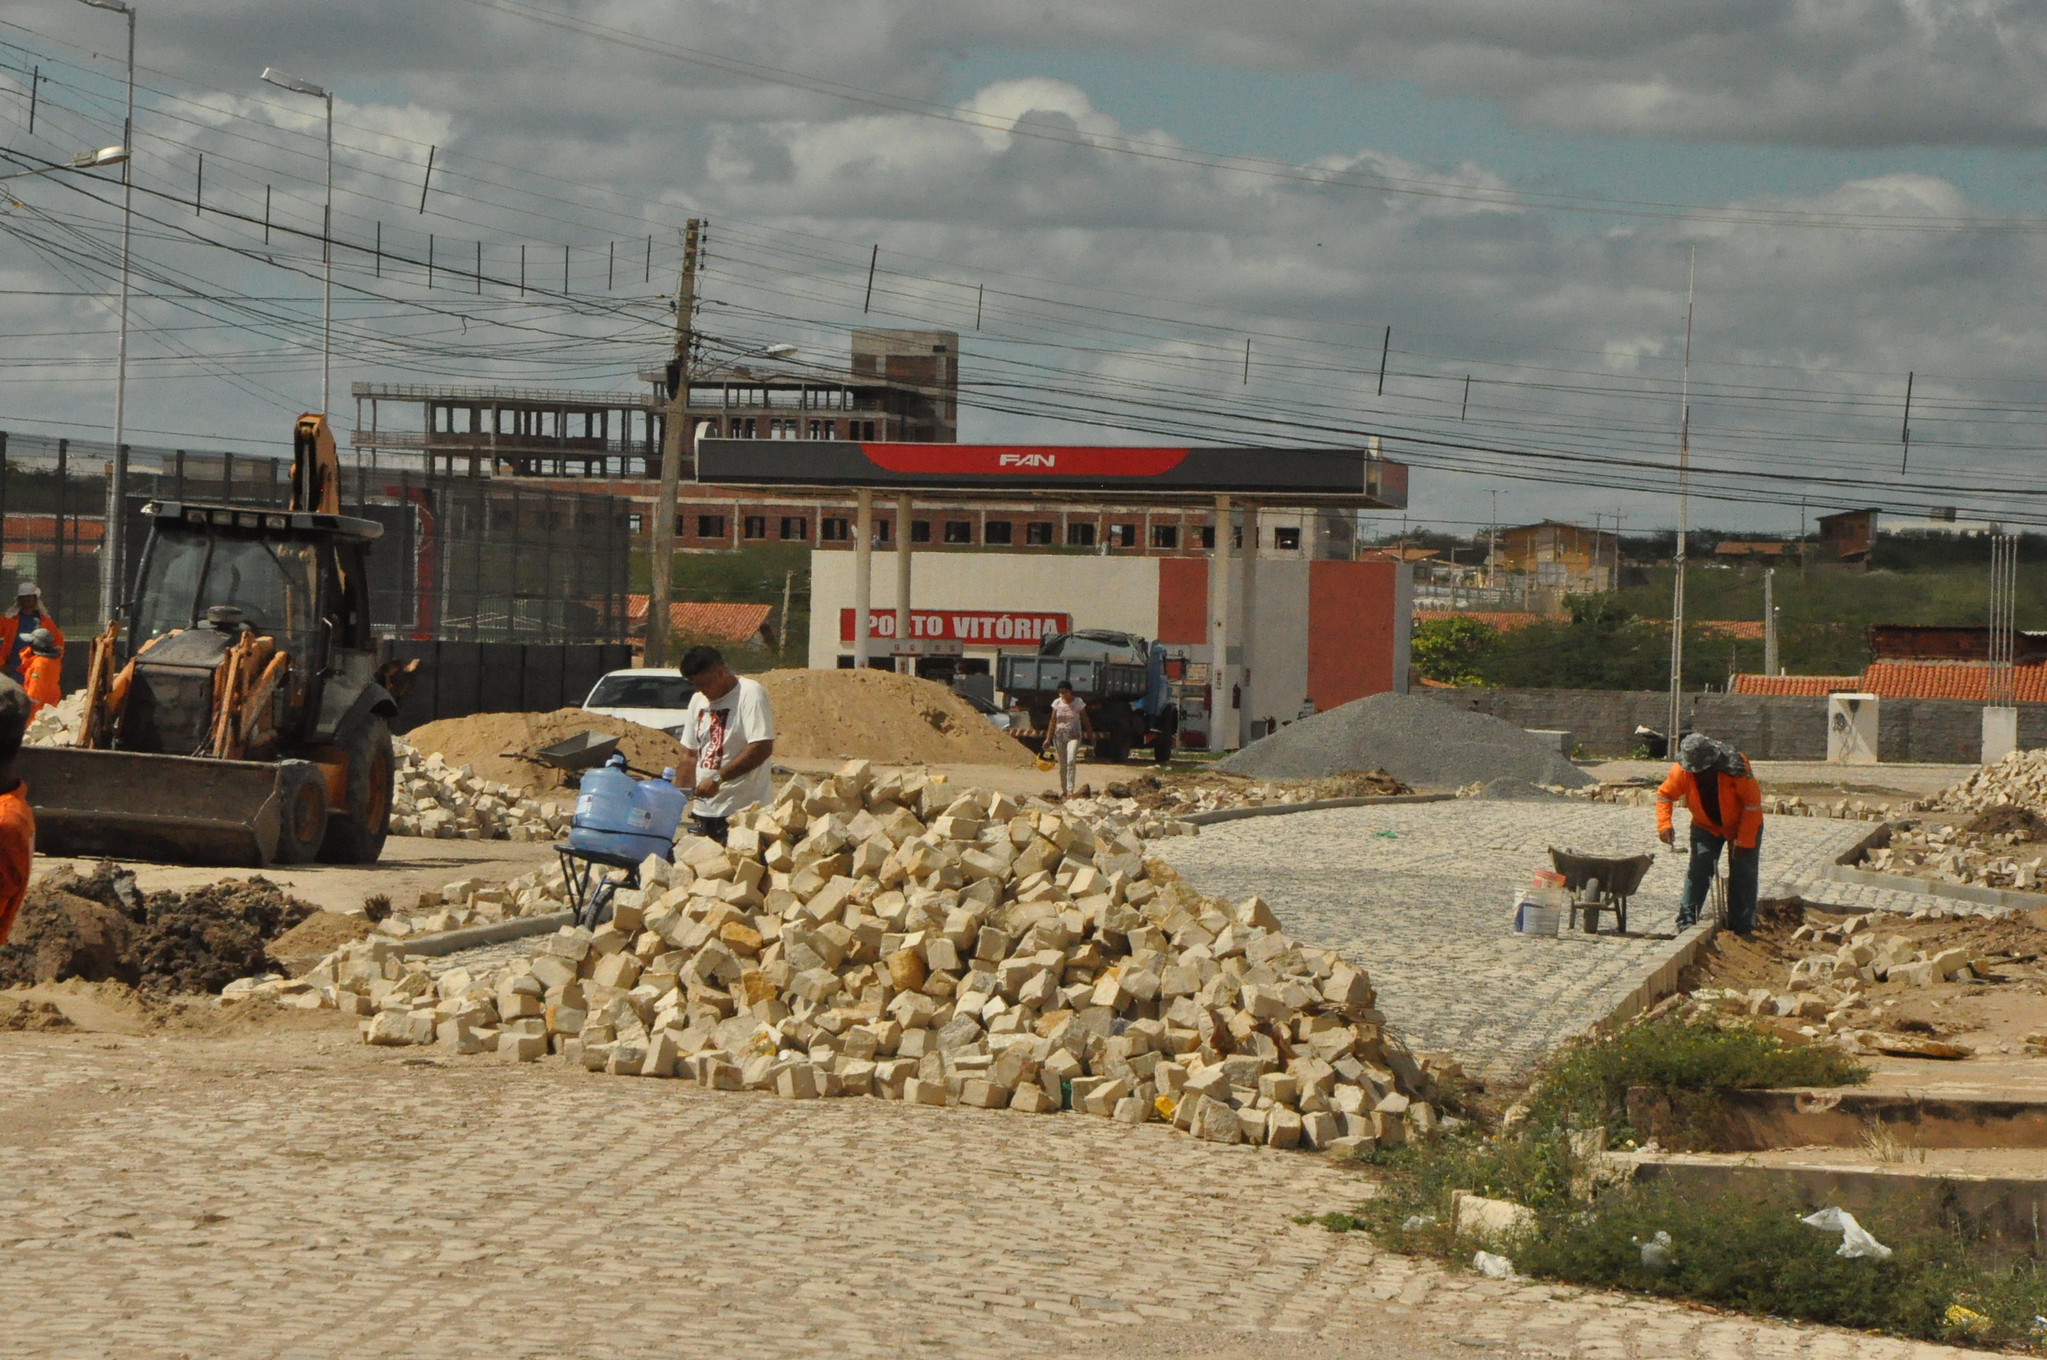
<point x="175" y="809"/>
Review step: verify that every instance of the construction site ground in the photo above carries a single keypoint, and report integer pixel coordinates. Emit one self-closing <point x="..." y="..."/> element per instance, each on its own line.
<point x="273" y="1188"/>
<point x="411" y="864"/>
<point x="191" y="1180"/>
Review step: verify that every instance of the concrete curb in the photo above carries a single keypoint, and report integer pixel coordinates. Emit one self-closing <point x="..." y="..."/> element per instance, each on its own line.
<point x="1661" y="983"/>
<point x="1318" y="805"/>
<point x="1926" y="887"/>
<point x="494" y="932"/>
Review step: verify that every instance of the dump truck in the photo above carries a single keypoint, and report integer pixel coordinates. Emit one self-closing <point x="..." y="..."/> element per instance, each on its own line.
<point x="234" y="711"/>
<point x="1120" y="676"/>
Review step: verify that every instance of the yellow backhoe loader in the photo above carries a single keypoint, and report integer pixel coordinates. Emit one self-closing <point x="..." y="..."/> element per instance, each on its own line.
<point x="247" y="724"/>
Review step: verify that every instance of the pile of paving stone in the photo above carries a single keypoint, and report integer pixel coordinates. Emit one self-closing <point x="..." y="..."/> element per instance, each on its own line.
<point x="1826" y="989"/>
<point x="57" y="724"/>
<point x="1638" y="794"/>
<point x="2018" y="780"/>
<point x="894" y="936"/>
<point x="1958" y="855"/>
<point x="430" y="797"/>
<point x="1155" y="806"/>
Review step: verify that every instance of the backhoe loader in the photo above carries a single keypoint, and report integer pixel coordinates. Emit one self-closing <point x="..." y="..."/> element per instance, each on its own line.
<point x="246" y="725"/>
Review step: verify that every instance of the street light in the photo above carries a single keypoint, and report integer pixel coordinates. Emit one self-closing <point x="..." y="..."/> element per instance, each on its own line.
<point x="284" y="82"/>
<point x="113" y="540"/>
<point x="84" y="160"/>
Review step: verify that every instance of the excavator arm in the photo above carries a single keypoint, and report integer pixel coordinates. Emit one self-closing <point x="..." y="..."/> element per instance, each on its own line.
<point x="315" y="468"/>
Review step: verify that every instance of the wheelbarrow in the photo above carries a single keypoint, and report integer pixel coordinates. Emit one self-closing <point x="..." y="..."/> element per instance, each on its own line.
<point x="584" y="751"/>
<point x="1598" y="883"/>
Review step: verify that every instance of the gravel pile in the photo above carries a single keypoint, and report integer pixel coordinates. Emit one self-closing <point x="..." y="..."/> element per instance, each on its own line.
<point x="1419" y="741"/>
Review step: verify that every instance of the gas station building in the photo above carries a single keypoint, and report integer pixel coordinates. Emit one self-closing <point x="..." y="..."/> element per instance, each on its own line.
<point x="1262" y="628"/>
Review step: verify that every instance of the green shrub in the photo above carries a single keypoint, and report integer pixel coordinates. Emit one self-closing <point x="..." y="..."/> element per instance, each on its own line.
<point x="1738" y="1251"/>
<point x="1688" y="1064"/>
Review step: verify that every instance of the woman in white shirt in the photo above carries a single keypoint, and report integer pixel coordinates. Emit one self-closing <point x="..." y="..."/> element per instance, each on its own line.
<point x="1063" y="734"/>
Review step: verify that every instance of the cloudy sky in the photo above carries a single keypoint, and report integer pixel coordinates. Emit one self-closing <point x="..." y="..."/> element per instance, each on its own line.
<point x="1109" y="200"/>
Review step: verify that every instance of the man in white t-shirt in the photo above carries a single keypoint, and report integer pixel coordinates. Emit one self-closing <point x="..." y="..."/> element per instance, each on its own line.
<point x="727" y="738"/>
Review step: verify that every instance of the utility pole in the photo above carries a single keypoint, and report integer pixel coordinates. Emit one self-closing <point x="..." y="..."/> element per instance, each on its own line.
<point x="674" y="439"/>
<point x="1769" y="621"/>
<point x="1684" y="506"/>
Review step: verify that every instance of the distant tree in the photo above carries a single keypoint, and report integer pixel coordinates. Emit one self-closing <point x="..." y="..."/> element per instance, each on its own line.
<point x="1454" y="651"/>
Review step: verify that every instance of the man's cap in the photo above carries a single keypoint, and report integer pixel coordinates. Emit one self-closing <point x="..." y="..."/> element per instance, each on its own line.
<point x="26" y="589"/>
<point x="40" y="642"/>
<point x="14" y="704"/>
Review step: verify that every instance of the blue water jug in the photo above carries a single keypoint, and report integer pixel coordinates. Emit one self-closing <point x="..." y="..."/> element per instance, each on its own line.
<point x="664" y="804"/>
<point x="610" y="818"/>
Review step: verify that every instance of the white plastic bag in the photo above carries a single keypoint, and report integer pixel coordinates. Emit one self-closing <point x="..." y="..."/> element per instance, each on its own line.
<point x="1491" y="1266"/>
<point x="1855" y="1239"/>
<point x="1656" y="1251"/>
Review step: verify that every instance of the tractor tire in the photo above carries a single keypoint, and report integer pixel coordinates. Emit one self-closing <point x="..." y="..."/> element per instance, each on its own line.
<point x="355" y="835"/>
<point x="302" y="814"/>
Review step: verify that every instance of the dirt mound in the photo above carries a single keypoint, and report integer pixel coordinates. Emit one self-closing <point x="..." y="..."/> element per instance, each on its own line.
<point x="1428" y="743"/>
<point x="883" y="717"/>
<point x="72" y="927"/>
<point x="98" y="928"/>
<point x="31" y="1014"/>
<point x="2009" y="820"/>
<point x="318" y="936"/>
<point x="490" y="743"/>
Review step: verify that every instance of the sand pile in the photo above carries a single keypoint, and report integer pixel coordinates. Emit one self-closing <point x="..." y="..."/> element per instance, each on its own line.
<point x="490" y="744"/>
<point x="1424" y="742"/>
<point x="884" y="717"/>
<point x="100" y="929"/>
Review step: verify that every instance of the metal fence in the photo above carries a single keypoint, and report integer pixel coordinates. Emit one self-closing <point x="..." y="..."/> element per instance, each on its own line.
<point x="462" y="558"/>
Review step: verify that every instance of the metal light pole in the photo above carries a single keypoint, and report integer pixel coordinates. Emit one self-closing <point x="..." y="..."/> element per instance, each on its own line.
<point x="113" y="539"/>
<point x="284" y="82"/>
<point x="1684" y="508"/>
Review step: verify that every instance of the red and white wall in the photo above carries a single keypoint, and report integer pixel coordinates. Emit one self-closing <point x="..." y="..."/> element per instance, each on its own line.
<point x="1320" y="632"/>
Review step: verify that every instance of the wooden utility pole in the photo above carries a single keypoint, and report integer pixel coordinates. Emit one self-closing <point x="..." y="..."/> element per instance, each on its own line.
<point x="674" y="439"/>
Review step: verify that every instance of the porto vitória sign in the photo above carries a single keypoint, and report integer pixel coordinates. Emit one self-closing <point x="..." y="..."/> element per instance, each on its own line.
<point x="970" y="627"/>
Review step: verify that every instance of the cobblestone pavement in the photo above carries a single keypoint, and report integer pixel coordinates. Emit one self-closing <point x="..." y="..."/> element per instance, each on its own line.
<point x="300" y="1196"/>
<point x="1419" y="895"/>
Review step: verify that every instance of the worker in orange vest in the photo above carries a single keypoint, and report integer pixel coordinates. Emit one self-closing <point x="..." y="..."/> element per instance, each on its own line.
<point x="17" y="821"/>
<point x="42" y="674"/>
<point x="27" y="615"/>
<point x="1726" y="803"/>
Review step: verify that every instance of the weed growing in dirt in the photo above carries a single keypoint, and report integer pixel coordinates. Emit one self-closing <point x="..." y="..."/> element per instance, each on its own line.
<point x="1739" y="1251"/>
<point x="1687" y="1067"/>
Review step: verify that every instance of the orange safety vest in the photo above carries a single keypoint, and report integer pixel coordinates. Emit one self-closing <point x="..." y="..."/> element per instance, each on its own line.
<point x="1741" y="804"/>
<point x="17" y="851"/>
<point x="43" y="678"/>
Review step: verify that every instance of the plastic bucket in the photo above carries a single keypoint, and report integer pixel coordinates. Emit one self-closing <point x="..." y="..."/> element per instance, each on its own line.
<point x="1533" y="918"/>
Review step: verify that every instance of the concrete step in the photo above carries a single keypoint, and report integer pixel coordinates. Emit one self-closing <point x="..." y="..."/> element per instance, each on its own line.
<point x="1995" y="1194"/>
<point x="1843" y="1116"/>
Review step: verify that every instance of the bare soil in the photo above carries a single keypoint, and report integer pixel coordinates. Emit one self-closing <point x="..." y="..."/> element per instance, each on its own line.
<point x="319" y="935"/>
<point x="99" y="928"/>
<point x="1992" y="1017"/>
<point x="1172" y="791"/>
<point x="884" y="717"/>
<point x="497" y="745"/>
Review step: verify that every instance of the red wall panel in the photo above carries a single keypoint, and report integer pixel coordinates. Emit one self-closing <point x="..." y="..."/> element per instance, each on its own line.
<point x="1183" y="601"/>
<point x="1351" y="630"/>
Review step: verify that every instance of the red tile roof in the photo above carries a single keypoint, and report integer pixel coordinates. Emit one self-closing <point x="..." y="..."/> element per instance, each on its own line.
<point x="1733" y="628"/>
<point x="1969" y="680"/>
<point x="1807" y="686"/>
<point x="1964" y="680"/>
<point x="700" y="619"/>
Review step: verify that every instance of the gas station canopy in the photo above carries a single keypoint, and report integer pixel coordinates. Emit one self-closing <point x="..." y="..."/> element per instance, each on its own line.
<point x="1307" y="477"/>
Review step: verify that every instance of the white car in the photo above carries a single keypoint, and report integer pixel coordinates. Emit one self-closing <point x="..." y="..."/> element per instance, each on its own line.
<point x="653" y="696"/>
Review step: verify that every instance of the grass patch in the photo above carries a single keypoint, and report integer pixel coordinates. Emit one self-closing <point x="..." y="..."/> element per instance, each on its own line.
<point x="1736" y="1251"/>
<point x="1684" y="1068"/>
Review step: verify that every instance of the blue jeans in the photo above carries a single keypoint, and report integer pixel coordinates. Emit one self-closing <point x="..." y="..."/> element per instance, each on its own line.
<point x="1742" y="869"/>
